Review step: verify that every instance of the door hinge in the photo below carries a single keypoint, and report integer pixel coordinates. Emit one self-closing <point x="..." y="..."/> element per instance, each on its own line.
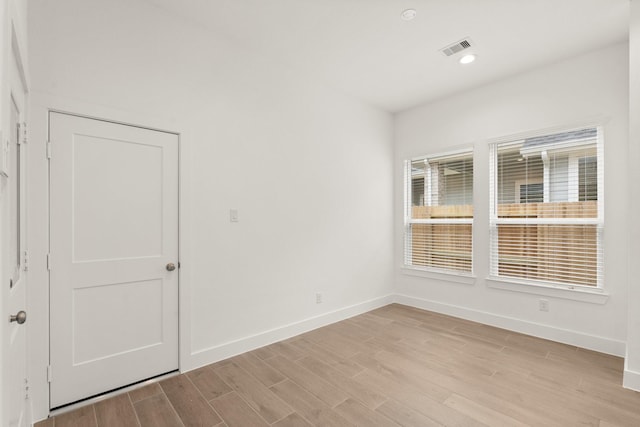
<point x="24" y="132"/>
<point x="48" y="149"/>
<point x="25" y="265"/>
<point x="49" y="374"/>
<point x="49" y="262"/>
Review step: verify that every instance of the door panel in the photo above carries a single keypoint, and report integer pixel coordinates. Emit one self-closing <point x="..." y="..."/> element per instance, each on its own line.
<point x="114" y="228"/>
<point x="103" y="226"/>
<point x="115" y="306"/>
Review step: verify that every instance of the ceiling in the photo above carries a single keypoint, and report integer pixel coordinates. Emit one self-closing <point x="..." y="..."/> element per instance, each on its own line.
<point x="364" y="48"/>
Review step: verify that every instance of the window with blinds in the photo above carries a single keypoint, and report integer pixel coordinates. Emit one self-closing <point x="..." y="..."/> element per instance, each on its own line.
<point x="547" y="209"/>
<point x="439" y="212"/>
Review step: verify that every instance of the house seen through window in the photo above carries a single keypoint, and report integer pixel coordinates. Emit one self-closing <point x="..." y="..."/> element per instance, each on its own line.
<point x="439" y="212"/>
<point x="546" y="208"/>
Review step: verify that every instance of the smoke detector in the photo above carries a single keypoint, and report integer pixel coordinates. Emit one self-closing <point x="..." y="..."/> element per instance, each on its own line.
<point x="408" y="14"/>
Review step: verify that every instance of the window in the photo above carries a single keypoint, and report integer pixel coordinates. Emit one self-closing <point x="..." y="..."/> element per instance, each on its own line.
<point x="439" y="212"/>
<point x="547" y="209"/>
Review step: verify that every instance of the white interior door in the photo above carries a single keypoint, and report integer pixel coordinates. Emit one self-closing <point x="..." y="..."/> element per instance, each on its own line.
<point x="15" y="389"/>
<point x="114" y="240"/>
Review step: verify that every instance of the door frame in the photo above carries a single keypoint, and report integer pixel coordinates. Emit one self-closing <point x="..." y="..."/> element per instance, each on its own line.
<point x="41" y="107"/>
<point x="168" y="351"/>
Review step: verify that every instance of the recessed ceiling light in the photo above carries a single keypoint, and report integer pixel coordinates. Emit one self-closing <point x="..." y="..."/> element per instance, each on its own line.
<point x="467" y="59"/>
<point x="408" y="14"/>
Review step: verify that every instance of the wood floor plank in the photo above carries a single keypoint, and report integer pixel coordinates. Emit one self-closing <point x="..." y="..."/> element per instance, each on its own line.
<point x="405" y="416"/>
<point x="293" y="420"/>
<point x="370" y="398"/>
<point x="393" y="380"/>
<point x="259" y="397"/>
<point x="419" y="402"/>
<point x="351" y="331"/>
<point x="399" y="313"/>
<point x="611" y="394"/>
<point x="264" y="353"/>
<point x="256" y="367"/>
<point x="208" y="383"/>
<point x="421" y="374"/>
<point x="481" y="413"/>
<point x="156" y="411"/>
<point x="348" y="367"/>
<point x="316" y="385"/>
<point x="144" y="392"/>
<point x="425" y="354"/>
<point x="369" y="321"/>
<point x="287" y="350"/>
<point x="396" y="331"/>
<point x="608" y="424"/>
<point x="192" y="408"/>
<point x="116" y="411"/>
<point x="600" y="359"/>
<point x="492" y="394"/>
<point x="81" y="417"/>
<point x="584" y="365"/>
<point x="490" y="333"/>
<point x="236" y="412"/>
<point x="308" y="406"/>
<point x="533" y="395"/>
<point x="335" y="342"/>
<point x="360" y="415"/>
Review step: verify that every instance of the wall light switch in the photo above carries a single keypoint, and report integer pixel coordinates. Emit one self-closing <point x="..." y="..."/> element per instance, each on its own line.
<point x="233" y="215"/>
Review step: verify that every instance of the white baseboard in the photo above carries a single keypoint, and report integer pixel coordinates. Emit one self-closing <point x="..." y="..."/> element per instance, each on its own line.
<point x="631" y="380"/>
<point x="578" y="339"/>
<point x="230" y="349"/>
<point x="224" y="351"/>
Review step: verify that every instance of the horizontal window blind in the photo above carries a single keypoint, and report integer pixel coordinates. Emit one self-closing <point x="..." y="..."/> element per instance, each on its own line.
<point x="547" y="208"/>
<point x="439" y="212"/>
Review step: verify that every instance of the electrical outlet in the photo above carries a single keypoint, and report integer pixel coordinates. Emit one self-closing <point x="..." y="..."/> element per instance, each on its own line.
<point x="544" y="305"/>
<point x="318" y="298"/>
<point x="233" y="215"/>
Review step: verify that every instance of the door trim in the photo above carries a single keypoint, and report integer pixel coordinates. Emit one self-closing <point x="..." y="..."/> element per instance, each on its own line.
<point x="116" y="122"/>
<point x="179" y="242"/>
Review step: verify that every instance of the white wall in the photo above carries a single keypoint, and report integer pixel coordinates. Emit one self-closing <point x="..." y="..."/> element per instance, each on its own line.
<point x="577" y="89"/>
<point x="632" y="362"/>
<point x="309" y="169"/>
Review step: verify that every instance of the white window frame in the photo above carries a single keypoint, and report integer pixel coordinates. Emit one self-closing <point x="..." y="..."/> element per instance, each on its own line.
<point x="521" y="284"/>
<point x="409" y="221"/>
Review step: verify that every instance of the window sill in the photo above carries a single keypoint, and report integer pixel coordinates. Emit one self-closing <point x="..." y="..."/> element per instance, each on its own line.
<point x="583" y="295"/>
<point x="465" y="279"/>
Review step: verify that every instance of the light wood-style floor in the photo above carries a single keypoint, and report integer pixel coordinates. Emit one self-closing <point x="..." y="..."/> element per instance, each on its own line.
<point x="393" y="366"/>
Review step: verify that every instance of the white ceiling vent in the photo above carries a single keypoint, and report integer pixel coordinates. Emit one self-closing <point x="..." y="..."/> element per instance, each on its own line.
<point x="456" y="47"/>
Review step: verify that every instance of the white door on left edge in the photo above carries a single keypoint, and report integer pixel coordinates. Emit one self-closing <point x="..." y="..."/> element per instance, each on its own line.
<point x="114" y="246"/>
<point x="13" y="296"/>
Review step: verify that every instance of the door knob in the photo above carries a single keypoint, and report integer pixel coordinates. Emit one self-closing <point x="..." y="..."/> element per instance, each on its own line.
<point x="20" y="317"/>
<point x="171" y="266"/>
